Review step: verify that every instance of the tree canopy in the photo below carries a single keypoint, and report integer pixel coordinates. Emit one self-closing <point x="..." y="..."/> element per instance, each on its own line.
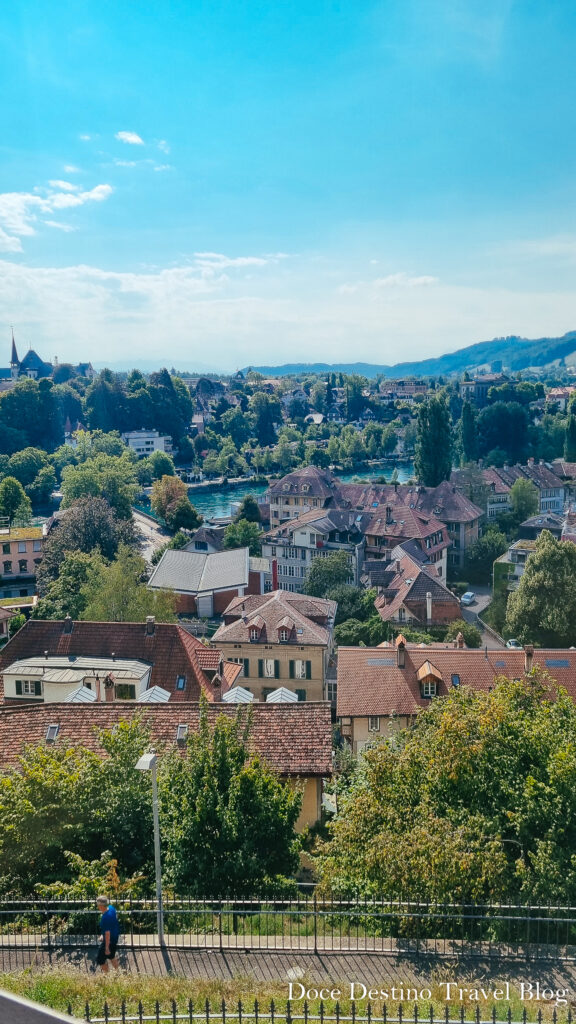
<point x="433" y="459"/>
<point x="542" y="610"/>
<point x="326" y="573"/>
<point x="476" y="803"/>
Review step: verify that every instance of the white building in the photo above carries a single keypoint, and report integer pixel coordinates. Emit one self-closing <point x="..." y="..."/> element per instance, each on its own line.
<point x="144" y="442"/>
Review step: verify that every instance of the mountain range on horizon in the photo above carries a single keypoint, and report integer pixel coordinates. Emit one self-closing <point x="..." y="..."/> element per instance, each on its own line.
<point x="514" y="353"/>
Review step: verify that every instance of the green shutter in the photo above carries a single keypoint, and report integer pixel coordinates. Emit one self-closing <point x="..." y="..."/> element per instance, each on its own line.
<point x="38" y="688"/>
<point x="246" y="667"/>
<point x="308" y="670"/>
<point x="291" y="667"/>
<point x="260" y="668"/>
<point x="18" y="687"/>
<point x="276" y="669"/>
<point x="301" y="694"/>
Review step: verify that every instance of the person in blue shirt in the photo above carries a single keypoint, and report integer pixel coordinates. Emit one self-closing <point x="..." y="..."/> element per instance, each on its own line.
<point x="110" y="930"/>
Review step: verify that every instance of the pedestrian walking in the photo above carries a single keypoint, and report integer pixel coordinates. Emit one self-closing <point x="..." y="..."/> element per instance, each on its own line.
<point x="110" y="931"/>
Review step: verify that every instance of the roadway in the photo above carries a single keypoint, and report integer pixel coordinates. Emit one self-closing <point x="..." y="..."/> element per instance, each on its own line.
<point x="483" y="598"/>
<point x="152" y="536"/>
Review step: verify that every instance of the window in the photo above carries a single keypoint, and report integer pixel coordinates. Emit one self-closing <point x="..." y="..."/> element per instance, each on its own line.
<point x="268" y="668"/>
<point x="373" y="724"/>
<point x="21" y="546"/>
<point x="266" y="691"/>
<point x="301" y="694"/>
<point x="5" y="549"/>
<point x="283" y="636"/>
<point x="429" y="688"/>
<point x="37" y="545"/>
<point x="28" y="688"/>
<point x="300" y="669"/>
<point x="181" y="733"/>
<point x="201" y="545"/>
<point x="305" y="488"/>
<point x="254" y="632"/>
<point x="180" y="682"/>
<point x="401" y="614"/>
<point x="273" y="550"/>
<point x="455" y="680"/>
<point x="51" y="733"/>
<point x="7" y="567"/>
<point x="23" y="565"/>
<point x="125" y="691"/>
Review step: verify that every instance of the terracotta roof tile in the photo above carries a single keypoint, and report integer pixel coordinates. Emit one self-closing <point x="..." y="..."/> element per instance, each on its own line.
<point x="170" y="649"/>
<point x="295" y="739"/>
<point x="269" y="613"/>
<point x="368" y="685"/>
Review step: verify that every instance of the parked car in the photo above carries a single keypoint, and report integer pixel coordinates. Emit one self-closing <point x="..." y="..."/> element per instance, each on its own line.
<point x="468" y="598"/>
<point x="514" y="645"/>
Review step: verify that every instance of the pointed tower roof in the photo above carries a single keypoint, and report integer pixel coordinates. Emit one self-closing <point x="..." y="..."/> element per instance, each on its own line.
<point x="14" y="356"/>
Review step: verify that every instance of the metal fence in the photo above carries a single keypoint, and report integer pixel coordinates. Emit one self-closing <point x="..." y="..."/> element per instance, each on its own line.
<point x="305" y="924"/>
<point x="362" y="1013"/>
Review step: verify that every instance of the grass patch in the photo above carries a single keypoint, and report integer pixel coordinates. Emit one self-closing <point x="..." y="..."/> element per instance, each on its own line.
<point x="65" y="987"/>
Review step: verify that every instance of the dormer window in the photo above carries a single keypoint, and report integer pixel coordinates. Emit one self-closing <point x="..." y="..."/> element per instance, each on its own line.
<point x="305" y="488"/>
<point x="429" y="688"/>
<point x="254" y="633"/>
<point x="283" y="636"/>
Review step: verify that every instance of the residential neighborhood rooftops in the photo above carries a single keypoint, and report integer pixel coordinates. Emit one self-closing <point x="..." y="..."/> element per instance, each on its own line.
<point x="168" y="648"/>
<point x="307" y="620"/>
<point x="294" y="739"/>
<point x="196" y="572"/>
<point x="371" y="682"/>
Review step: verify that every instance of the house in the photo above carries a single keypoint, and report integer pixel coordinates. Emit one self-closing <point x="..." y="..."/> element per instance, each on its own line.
<point x="399" y="523"/>
<point x="550" y="487"/>
<point x="560" y="397"/>
<point x="206" y="583"/>
<point x="280" y="639"/>
<point x="414" y="595"/>
<point x="33" y="366"/>
<point x="315" y="534"/>
<point x="531" y="528"/>
<point x="382" y="689"/>
<point x="51" y="660"/>
<point x="209" y="539"/>
<point x="498" y="495"/>
<point x="476" y="390"/>
<point x="144" y="442"/>
<point x="294" y="739"/>
<point x="21" y="555"/>
<point x="512" y="563"/>
<point x="460" y="516"/>
<point x="301" y="491"/>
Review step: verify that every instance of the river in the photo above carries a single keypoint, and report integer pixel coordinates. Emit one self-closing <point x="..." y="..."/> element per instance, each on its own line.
<point x="216" y="503"/>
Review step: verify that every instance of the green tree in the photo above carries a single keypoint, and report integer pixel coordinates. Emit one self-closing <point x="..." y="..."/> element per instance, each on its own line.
<point x="42" y="487"/>
<point x="477" y="803"/>
<point x="468" y="433"/>
<point x="267" y="412"/>
<point x="542" y="610"/>
<point x="14" y="503"/>
<point x="89" y="525"/>
<point x="524" y="499"/>
<point x="111" y="477"/>
<point x="482" y="554"/>
<point x="181" y="515"/>
<point x="503" y="425"/>
<point x="353" y="602"/>
<point x="471" y="634"/>
<point x="433" y="459"/>
<point x="326" y="573"/>
<point x="570" y="437"/>
<point x="26" y="464"/>
<point x="217" y="803"/>
<point x="249" y="509"/>
<point x="65" y="595"/>
<point x="117" y="593"/>
<point x="243" y="534"/>
<point x="169" y="500"/>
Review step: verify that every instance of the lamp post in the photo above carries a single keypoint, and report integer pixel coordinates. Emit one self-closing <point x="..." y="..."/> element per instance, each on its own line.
<point x="149" y="763"/>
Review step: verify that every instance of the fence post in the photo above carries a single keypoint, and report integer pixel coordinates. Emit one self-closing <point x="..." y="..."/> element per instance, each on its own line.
<point x="48" y="937"/>
<point x="220" y="912"/>
<point x="315" y="923"/>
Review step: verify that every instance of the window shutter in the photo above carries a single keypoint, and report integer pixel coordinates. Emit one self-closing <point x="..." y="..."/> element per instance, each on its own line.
<point x="291" y="669"/>
<point x="18" y="687"/>
<point x="276" y="669"/>
<point x="38" y="688"/>
<point x="308" y="670"/>
<point x="246" y="667"/>
<point x="301" y="694"/>
<point x="260" y="668"/>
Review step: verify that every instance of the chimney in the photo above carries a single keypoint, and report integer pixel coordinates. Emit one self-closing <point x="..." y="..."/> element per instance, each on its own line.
<point x="460" y="641"/>
<point x="397" y="565"/>
<point x="108" y="689"/>
<point x="68" y="624"/>
<point x="388" y="514"/>
<point x="428" y="607"/>
<point x="400" y="651"/>
<point x="150" y="625"/>
<point x="528" y="658"/>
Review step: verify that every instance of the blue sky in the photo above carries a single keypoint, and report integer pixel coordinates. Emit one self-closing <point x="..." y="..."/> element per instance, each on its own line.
<point x="212" y="184"/>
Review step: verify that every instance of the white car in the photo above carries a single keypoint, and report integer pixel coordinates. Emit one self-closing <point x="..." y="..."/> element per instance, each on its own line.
<point x="514" y="645"/>
<point x="468" y="598"/>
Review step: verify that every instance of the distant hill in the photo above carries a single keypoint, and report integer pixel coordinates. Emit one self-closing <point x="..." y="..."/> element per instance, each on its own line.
<point x="515" y="354"/>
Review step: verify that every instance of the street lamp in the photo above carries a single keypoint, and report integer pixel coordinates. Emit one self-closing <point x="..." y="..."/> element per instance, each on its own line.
<point x="149" y="763"/>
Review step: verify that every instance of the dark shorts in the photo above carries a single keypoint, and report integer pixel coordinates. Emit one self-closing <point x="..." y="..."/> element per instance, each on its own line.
<point x="103" y="955"/>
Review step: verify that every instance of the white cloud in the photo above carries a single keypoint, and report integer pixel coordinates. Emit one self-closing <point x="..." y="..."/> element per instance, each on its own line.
<point x="21" y="212"/>
<point x="163" y="167"/>
<point x="163" y="146"/>
<point x="126" y="163"/>
<point x="71" y="169"/>
<point x="64" y="186"/>
<point x="213" y="261"/>
<point x="403" y="280"/>
<point x="67" y="228"/>
<point x="131" y="138"/>
<point x="85" y="138"/>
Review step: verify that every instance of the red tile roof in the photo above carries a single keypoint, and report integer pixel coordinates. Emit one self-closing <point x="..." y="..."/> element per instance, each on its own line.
<point x="171" y="650"/>
<point x="309" y="617"/>
<point x="370" y="682"/>
<point x="294" y="739"/>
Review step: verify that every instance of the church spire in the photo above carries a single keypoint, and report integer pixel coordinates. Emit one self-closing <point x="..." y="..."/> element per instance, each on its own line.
<point x="14" y="361"/>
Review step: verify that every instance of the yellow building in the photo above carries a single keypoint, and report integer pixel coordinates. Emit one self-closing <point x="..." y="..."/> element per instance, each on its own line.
<point x="280" y="639"/>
